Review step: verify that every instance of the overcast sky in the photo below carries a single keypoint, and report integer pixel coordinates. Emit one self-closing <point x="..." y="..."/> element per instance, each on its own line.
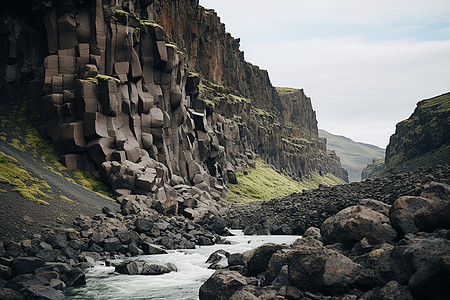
<point x="365" y="64"/>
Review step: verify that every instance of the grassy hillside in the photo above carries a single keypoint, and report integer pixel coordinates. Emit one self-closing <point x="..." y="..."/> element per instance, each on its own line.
<point x="265" y="183"/>
<point x="354" y="156"/>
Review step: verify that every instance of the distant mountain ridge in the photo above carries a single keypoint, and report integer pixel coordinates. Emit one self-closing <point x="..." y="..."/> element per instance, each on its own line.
<point x="354" y="155"/>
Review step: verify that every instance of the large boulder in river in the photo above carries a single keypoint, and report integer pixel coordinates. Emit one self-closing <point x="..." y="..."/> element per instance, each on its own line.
<point x="140" y="267"/>
<point x="354" y="223"/>
<point x="317" y="269"/>
<point x="222" y="285"/>
<point x="402" y="212"/>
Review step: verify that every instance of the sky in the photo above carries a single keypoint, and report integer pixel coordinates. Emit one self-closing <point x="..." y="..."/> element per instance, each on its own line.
<point x="364" y="64"/>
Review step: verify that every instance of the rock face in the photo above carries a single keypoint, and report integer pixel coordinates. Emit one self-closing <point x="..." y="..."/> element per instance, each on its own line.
<point x="116" y="97"/>
<point x="422" y="140"/>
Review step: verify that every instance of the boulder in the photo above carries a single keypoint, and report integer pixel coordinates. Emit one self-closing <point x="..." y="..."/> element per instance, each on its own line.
<point x="321" y="270"/>
<point x="112" y="244"/>
<point x="354" y="223"/>
<point x="222" y="285"/>
<point x="42" y="292"/>
<point x="74" y="277"/>
<point x="258" y="261"/>
<point x="431" y="281"/>
<point x="26" y="265"/>
<point x="140" y="267"/>
<point x="402" y="212"/>
<point x="143" y="225"/>
<point x="434" y="216"/>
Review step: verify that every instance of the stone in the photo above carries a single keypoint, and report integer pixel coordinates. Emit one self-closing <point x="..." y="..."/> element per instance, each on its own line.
<point x="150" y="249"/>
<point x="321" y="270"/>
<point x="25" y="265"/>
<point x="431" y="280"/>
<point x="143" y="225"/>
<point x="74" y="277"/>
<point x="376" y="205"/>
<point x="434" y="216"/>
<point x="42" y="292"/>
<point x="140" y="267"/>
<point x="354" y="223"/>
<point x="221" y="285"/>
<point x="402" y="213"/>
<point x="112" y="244"/>
<point x="258" y="261"/>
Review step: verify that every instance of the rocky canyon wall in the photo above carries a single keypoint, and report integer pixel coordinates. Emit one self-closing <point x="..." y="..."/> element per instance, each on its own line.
<point x="114" y="92"/>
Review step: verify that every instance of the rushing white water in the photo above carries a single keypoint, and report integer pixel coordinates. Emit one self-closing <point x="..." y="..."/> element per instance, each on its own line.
<point x="104" y="284"/>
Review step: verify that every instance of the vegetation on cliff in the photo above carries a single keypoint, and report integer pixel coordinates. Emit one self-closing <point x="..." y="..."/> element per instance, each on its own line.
<point x="265" y="183"/>
<point x="422" y="140"/>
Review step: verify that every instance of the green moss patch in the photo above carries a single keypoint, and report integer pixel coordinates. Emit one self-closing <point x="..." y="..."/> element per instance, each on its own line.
<point x="21" y="181"/>
<point x="265" y="183"/>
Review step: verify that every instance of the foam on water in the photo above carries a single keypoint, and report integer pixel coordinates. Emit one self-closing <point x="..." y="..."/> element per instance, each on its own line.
<point x="104" y="284"/>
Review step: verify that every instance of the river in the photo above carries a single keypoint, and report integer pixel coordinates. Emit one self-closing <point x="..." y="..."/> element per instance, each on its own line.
<point x="103" y="284"/>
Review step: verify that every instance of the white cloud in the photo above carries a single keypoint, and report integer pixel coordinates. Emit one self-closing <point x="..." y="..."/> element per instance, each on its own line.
<point x="256" y="14"/>
<point x="360" y="86"/>
<point x="355" y="84"/>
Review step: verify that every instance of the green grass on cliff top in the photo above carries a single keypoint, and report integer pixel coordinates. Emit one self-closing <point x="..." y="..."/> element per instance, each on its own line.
<point x="265" y="183"/>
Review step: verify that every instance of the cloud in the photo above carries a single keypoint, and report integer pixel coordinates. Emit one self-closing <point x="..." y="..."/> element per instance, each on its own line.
<point x="354" y="83"/>
<point x="365" y="64"/>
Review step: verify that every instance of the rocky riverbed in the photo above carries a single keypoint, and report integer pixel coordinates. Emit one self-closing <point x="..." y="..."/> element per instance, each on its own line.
<point x="380" y="237"/>
<point x="396" y="248"/>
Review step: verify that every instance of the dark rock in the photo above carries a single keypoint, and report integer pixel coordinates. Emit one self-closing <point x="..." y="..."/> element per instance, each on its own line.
<point x="5" y="272"/>
<point x="237" y="259"/>
<point x="140" y="267"/>
<point x="26" y="265"/>
<point x="407" y="260"/>
<point x="222" y="285"/>
<point x="434" y="216"/>
<point x="257" y="263"/>
<point x="378" y="206"/>
<point x="218" y="225"/>
<point x="10" y="294"/>
<point x="431" y="281"/>
<point x="58" y="241"/>
<point x="22" y="281"/>
<point x="313" y="232"/>
<point x="353" y="224"/>
<point x="321" y="270"/>
<point x="143" y="225"/>
<point x="402" y="212"/>
<point x="112" y="244"/>
<point x="43" y="293"/>
<point x="151" y="249"/>
<point x="231" y="176"/>
<point x="74" y="277"/>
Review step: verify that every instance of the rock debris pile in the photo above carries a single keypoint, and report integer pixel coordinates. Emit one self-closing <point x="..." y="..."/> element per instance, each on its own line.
<point x="368" y="250"/>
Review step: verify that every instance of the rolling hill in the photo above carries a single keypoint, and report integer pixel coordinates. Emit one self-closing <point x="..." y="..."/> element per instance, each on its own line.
<point x="354" y="155"/>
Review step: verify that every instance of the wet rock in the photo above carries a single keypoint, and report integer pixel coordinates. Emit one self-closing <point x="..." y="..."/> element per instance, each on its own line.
<point x="140" y="267"/>
<point x="43" y="293"/>
<point x="151" y="249"/>
<point x="74" y="277"/>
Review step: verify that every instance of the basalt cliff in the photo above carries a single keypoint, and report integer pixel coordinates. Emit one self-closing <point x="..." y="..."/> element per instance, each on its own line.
<point x="421" y="141"/>
<point x="154" y="98"/>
